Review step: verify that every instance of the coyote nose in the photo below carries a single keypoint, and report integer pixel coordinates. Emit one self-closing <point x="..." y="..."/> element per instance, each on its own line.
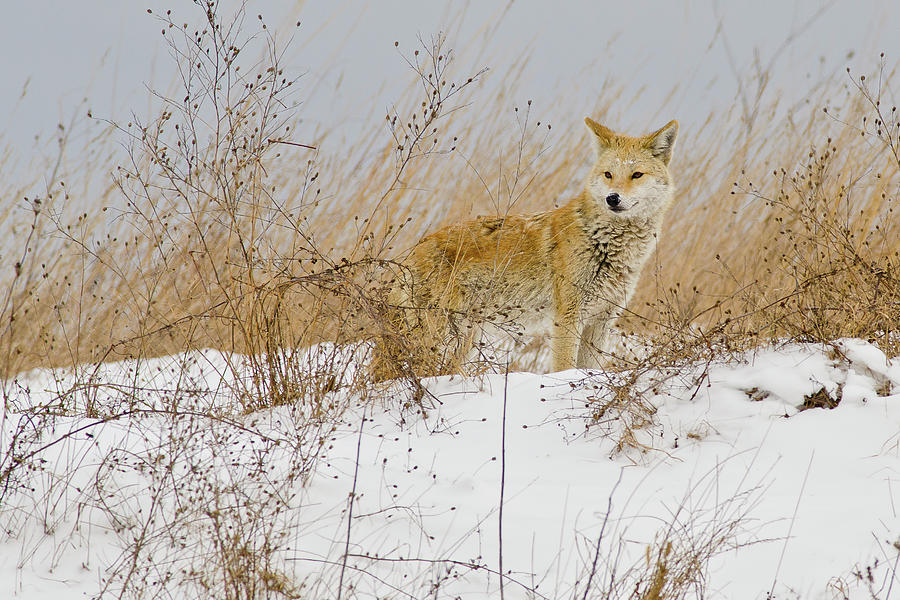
<point x="613" y="200"/>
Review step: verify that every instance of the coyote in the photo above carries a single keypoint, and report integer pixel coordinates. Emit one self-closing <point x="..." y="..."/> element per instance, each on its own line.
<point x="577" y="264"/>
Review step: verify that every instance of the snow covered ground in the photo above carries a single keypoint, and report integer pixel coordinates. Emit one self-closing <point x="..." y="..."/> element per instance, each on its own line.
<point x="162" y="502"/>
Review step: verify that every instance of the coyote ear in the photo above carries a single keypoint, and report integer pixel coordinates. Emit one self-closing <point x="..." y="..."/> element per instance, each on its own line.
<point x="602" y="136"/>
<point x="662" y="142"/>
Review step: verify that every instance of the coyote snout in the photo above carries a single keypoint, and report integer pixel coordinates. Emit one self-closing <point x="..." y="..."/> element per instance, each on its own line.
<point x="578" y="264"/>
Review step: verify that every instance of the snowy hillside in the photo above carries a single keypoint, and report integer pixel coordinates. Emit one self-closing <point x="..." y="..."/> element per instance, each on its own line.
<point x="176" y="502"/>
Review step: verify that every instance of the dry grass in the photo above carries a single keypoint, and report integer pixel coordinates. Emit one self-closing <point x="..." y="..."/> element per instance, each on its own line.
<point x="781" y="230"/>
<point x="792" y="239"/>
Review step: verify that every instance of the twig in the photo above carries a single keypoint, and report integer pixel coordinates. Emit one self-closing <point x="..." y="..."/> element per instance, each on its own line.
<point x="352" y="568"/>
<point x="502" y="480"/>
<point x="791" y="527"/>
<point x="299" y="145"/>
<point x="350" y="507"/>
<point x="460" y="563"/>
<point x="612" y="493"/>
<point x="893" y="573"/>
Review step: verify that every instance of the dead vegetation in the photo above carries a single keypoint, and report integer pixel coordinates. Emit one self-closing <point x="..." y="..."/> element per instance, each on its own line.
<point x="232" y="246"/>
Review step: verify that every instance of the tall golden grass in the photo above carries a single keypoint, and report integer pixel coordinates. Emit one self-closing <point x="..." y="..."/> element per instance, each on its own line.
<point x="225" y="230"/>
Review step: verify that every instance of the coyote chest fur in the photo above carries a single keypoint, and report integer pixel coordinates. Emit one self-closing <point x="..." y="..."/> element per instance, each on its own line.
<point x="577" y="264"/>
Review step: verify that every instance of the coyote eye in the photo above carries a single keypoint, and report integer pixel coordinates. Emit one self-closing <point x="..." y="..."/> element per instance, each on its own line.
<point x="607" y="174"/>
<point x="636" y="175"/>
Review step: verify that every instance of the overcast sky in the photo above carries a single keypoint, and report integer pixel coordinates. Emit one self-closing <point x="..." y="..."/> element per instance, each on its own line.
<point x="57" y="53"/>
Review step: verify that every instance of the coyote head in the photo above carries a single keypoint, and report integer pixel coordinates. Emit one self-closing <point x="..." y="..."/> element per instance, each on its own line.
<point x="630" y="177"/>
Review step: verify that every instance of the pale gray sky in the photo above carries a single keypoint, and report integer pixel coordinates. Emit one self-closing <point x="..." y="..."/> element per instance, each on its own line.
<point x="57" y="53"/>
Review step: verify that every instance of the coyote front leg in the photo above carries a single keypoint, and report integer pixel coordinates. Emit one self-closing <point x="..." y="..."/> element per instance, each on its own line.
<point x="566" y="334"/>
<point x="595" y="335"/>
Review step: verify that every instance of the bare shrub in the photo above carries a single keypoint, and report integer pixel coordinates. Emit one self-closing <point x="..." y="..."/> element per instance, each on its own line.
<point x="817" y="241"/>
<point x="704" y="525"/>
<point x="877" y="576"/>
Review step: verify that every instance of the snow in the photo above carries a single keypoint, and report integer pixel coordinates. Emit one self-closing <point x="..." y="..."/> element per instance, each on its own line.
<point x="790" y="501"/>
